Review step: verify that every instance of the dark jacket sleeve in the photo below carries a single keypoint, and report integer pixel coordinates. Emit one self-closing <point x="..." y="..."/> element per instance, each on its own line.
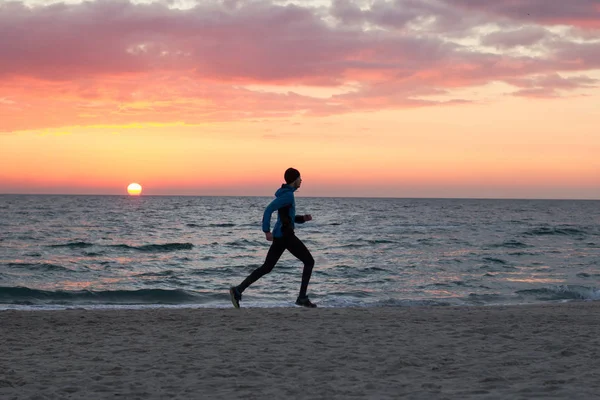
<point x="276" y="204"/>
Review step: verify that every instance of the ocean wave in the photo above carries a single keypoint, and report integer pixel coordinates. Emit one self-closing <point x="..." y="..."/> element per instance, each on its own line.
<point x="356" y="294"/>
<point x="213" y="271"/>
<point x="374" y="269"/>
<point x="380" y="241"/>
<point x="344" y="267"/>
<point x="244" y="243"/>
<point x="495" y="260"/>
<point x="564" y="231"/>
<point x="214" y="225"/>
<point x="160" y="273"/>
<point x="562" y="292"/>
<point x="438" y="285"/>
<point x="587" y="275"/>
<point x="497" y="267"/>
<point x="38" y="267"/>
<point x="412" y="303"/>
<point x="349" y="246"/>
<point x="485" y="298"/>
<point x="147" y="247"/>
<point x="93" y="254"/>
<point x="358" y="243"/>
<point x="522" y="253"/>
<point x="156" y="247"/>
<point x="73" y="245"/>
<point x="24" y="295"/>
<point x="511" y="244"/>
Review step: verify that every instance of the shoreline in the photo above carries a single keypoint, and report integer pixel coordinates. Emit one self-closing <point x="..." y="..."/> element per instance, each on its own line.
<point x="263" y="306"/>
<point x="224" y="305"/>
<point x="450" y="352"/>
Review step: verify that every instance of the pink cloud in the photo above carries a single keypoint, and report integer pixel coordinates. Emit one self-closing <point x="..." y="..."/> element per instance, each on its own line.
<point x="550" y="85"/>
<point x="525" y="36"/>
<point x="112" y="61"/>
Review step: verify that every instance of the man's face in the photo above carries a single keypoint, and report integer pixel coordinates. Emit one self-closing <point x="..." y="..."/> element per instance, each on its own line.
<point x="297" y="182"/>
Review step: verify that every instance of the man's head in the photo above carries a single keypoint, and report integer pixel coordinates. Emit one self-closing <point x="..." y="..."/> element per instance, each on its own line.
<point x="292" y="177"/>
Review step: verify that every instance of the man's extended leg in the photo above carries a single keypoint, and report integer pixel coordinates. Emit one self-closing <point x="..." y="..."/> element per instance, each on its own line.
<point x="275" y="251"/>
<point x="299" y="250"/>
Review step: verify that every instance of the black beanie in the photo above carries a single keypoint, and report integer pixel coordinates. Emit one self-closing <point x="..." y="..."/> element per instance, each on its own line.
<point x="291" y="174"/>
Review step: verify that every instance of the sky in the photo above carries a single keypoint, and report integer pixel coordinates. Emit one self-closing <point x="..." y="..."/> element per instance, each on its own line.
<point x="367" y="98"/>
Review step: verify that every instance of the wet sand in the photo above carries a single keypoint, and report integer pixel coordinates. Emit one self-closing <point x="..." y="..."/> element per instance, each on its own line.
<point x="508" y="352"/>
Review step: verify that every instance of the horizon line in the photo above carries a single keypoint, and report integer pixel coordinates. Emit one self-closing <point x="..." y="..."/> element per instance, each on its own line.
<point x="315" y="197"/>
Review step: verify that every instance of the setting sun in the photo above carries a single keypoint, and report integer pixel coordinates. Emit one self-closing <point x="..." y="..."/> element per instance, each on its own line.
<point x="134" y="189"/>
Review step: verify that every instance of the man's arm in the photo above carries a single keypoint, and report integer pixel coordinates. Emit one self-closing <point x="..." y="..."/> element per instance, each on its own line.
<point x="300" y="219"/>
<point x="274" y="205"/>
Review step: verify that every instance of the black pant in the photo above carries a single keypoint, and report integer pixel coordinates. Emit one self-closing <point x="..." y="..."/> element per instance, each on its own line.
<point x="294" y="246"/>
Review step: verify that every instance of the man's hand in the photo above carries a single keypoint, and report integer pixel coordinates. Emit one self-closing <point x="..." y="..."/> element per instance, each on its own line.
<point x="269" y="236"/>
<point x="307" y="217"/>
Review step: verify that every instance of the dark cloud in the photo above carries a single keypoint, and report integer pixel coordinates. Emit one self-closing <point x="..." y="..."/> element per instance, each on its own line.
<point x="581" y="13"/>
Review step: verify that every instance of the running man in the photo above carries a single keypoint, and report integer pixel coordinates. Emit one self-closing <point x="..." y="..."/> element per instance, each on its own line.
<point x="283" y="238"/>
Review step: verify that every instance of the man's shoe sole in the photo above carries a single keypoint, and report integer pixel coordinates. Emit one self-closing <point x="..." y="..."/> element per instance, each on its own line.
<point x="235" y="303"/>
<point x="306" y="305"/>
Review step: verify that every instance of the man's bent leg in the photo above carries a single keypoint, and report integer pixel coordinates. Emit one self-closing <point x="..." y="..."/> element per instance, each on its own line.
<point x="299" y="250"/>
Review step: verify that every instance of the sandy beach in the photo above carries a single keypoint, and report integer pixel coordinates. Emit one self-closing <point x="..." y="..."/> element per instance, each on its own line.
<point x="533" y="351"/>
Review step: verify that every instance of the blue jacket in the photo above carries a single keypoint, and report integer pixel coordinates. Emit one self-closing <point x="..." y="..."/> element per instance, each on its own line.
<point x="285" y="205"/>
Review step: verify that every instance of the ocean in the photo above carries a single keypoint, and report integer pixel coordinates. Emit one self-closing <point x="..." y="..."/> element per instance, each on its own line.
<point x="60" y="252"/>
